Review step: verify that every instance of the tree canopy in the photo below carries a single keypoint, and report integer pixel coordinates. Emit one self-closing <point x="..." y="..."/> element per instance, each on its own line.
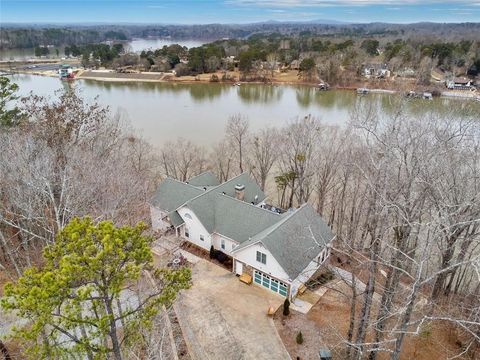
<point x="83" y="301"/>
<point x="9" y="114"/>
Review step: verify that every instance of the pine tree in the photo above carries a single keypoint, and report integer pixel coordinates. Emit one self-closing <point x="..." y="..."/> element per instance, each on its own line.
<point x="286" y="307"/>
<point x="299" y="338"/>
<point x="86" y="277"/>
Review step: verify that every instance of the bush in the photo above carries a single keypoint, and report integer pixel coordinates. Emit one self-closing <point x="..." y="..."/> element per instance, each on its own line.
<point x="286" y="307"/>
<point x="220" y="256"/>
<point x="214" y="78"/>
<point x="299" y="338"/>
<point x="212" y="252"/>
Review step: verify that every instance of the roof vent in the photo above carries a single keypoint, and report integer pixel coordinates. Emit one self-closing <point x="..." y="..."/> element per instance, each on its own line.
<point x="239" y="187"/>
<point x="240" y="191"/>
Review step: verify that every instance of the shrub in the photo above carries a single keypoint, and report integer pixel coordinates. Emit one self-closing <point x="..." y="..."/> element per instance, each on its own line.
<point x="214" y="78"/>
<point x="299" y="338"/>
<point x="286" y="307"/>
<point x="220" y="256"/>
<point x="212" y="252"/>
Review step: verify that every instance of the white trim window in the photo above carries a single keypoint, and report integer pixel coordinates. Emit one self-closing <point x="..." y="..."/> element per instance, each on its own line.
<point x="202" y="238"/>
<point x="222" y="244"/>
<point x="187" y="233"/>
<point x="262" y="258"/>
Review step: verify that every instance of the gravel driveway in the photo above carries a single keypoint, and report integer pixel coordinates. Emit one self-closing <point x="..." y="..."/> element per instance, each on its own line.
<point x="222" y="318"/>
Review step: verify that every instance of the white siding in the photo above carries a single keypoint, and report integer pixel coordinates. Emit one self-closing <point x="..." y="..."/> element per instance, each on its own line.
<point x="195" y="229"/>
<point x="156" y="216"/>
<point x="229" y="243"/>
<point x="311" y="268"/>
<point x="273" y="268"/>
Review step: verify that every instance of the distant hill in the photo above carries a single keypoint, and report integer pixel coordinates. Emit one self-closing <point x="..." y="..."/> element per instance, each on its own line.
<point x="22" y="35"/>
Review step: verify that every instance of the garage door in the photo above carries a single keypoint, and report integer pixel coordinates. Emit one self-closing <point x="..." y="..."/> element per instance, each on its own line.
<point x="270" y="283"/>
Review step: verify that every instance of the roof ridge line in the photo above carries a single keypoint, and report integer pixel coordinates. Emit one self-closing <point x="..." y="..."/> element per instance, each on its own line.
<point x="208" y="190"/>
<point x="182" y="182"/>
<point x="280" y="223"/>
<point x="247" y="203"/>
<point x="202" y="173"/>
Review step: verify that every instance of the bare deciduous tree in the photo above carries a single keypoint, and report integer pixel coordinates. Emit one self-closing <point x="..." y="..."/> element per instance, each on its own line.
<point x="237" y="136"/>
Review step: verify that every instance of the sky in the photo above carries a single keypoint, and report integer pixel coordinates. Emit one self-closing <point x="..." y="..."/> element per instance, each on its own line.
<point x="236" y="11"/>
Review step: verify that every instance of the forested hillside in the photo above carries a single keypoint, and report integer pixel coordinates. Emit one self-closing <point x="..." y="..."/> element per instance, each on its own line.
<point x="21" y="36"/>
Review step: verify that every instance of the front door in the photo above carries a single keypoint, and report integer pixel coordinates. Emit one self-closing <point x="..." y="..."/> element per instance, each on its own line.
<point x="238" y="268"/>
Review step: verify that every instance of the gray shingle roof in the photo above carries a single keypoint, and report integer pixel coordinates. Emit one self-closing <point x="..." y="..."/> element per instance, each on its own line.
<point x="204" y="206"/>
<point x="175" y="218"/>
<point x="240" y="220"/>
<point x="204" y="179"/>
<point x="171" y="194"/>
<point x="295" y="240"/>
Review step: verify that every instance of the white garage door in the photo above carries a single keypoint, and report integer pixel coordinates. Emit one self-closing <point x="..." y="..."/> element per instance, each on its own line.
<point x="270" y="283"/>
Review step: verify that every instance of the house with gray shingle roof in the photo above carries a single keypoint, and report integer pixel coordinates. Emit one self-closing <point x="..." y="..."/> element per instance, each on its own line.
<point x="280" y="250"/>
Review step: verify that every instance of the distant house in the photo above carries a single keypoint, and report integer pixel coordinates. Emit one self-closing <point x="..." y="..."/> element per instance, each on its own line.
<point x="406" y="73"/>
<point x="295" y="65"/>
<point x="284" y="44"/>
<point x="376" y="70"/>
<point x="280" y="250"/>
<point x="459" y="83"/>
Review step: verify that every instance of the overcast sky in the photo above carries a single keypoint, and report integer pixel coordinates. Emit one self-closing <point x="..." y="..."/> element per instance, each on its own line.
<point x="237" y="11"/>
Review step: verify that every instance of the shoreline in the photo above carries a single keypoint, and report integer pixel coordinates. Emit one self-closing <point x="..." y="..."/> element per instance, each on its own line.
<point x="205" y="79"/>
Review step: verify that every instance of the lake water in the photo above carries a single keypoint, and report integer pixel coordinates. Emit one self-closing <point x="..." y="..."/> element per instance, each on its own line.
<point x="199" y="112"/>
<point x="136" y="45"/>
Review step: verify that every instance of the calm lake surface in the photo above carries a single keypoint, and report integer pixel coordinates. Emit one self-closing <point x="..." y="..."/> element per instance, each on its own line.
<point x="137" y="45"/>
<point x="199" y="112"/>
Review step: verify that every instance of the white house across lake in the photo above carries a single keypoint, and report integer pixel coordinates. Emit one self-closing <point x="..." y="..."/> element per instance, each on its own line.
<point x="280" y="250"/>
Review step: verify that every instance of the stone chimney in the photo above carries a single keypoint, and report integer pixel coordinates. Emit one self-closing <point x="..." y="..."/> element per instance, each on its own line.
<point x="240" y="191"/>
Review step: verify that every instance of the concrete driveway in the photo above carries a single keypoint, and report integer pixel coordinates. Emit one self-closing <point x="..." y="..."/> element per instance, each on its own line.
<point x="222" y="318"/>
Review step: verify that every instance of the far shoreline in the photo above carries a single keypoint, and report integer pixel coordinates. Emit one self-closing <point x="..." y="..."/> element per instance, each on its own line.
<point x="205" y="79"/>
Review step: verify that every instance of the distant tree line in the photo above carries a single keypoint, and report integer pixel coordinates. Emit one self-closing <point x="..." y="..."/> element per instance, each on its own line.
<point x="19" y="36"/>
<point x="41" y="51"/>
<point x="95" y="53"/>
<point x="33" y="37"/>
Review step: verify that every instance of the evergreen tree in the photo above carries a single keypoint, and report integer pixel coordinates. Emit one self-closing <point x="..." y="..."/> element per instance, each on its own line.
<point x="286" y="307"/>
<point x="88" y="286"/>
<point x="9" y="115"/>
<point x="299" y="338"/>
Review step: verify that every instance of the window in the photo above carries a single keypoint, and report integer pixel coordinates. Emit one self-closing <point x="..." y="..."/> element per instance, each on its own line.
<point x="187" y="234"/>
<point x="261" y="257"/>
<point x="202" y="238"/>
<point x="222" y="244"/>
<point x="274" y="285"/>
<point x="188" y="216"/>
